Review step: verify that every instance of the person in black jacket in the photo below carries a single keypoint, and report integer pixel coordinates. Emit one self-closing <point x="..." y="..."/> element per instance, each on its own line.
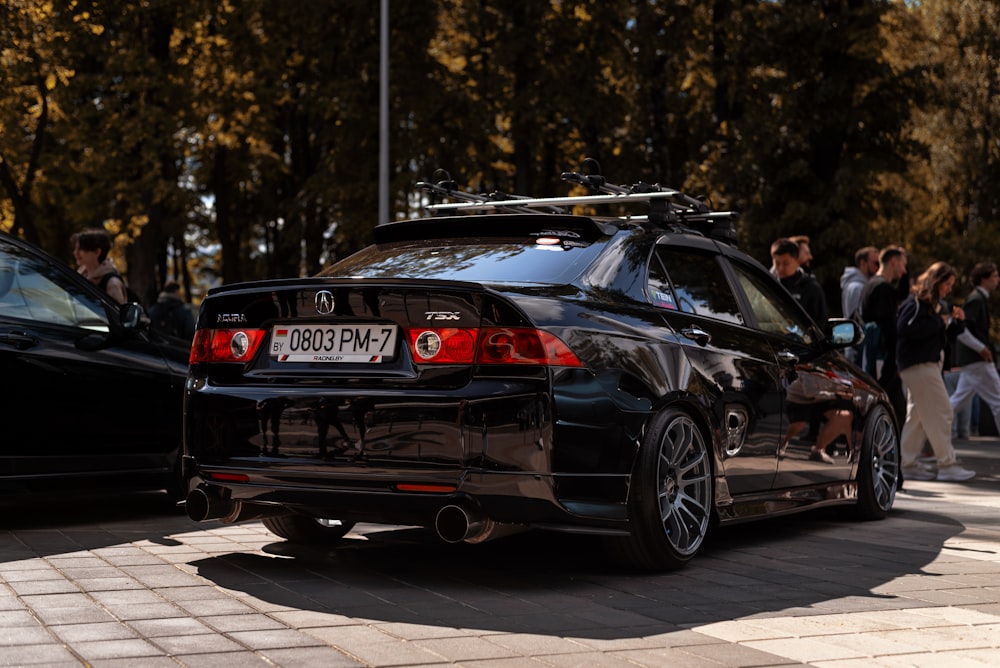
<point x="170" y="314"/>
<point x="923" y="328"/>
<point x="880" y="300"/>
<point x="804" y="287"/>
<point x="978" y="373"/>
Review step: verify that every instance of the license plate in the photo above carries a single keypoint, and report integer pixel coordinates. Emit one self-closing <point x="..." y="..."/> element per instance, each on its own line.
<point x="367" y="344"/>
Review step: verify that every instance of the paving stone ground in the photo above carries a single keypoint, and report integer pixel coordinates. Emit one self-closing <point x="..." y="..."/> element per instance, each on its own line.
<point x="126" y="581"/>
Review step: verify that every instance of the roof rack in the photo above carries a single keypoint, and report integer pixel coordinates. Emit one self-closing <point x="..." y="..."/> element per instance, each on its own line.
<point x="506" y="202"/>
<point x="667" y="208"/>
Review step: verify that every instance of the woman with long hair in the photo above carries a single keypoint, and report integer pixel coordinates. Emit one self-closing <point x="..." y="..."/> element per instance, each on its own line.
<point x="924" y="327"/>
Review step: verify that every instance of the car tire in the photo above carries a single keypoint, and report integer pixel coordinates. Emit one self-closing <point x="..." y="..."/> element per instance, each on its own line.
<point x="670" y="501"/>
<point x="878" y="466"/>
<point x="308" y="530"/>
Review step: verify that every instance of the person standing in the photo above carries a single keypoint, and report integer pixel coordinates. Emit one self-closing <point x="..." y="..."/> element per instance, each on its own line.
<point x="804" y="287"/>
<point x="924" y="327"/>
<point x="852" y="284"/>
<point x="879" y="308"/>
<point x="90" y="250"/>
<point x="978" y="373"/>
<point x="962" y="426"/>
<point x="805" y="252"/>
<point x="170" y="314"/>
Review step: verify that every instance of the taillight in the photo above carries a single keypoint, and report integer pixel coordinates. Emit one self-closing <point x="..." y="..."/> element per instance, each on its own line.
<point x="491" y="345"/>
<point x="522" y="345"/>
<point x="225" y="345"/>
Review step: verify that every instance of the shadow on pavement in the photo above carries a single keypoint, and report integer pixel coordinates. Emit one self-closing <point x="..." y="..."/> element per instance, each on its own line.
<point x="555" y="583"/>
<point x="53" y="509"/>
<point x="58" y="523"/>
<point x="535" y="582"/>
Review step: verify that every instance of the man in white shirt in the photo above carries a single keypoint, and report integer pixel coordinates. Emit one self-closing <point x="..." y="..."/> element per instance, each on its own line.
<point x="975" y="357"/>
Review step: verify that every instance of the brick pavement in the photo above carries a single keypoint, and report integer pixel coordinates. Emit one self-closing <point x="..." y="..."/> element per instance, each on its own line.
<point x="122" y="582"/>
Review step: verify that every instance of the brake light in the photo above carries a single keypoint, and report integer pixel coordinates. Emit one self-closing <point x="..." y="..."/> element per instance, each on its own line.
<point x="491" y="345"/>
<point x="523" y="345"/>
<point x="225" y="345"/>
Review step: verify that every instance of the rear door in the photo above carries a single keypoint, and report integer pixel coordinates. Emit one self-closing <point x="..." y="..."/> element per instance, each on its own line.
<point x="725" y="349"/>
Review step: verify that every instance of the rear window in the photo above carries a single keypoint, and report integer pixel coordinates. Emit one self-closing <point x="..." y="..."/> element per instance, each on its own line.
<point x="532" y="260"/>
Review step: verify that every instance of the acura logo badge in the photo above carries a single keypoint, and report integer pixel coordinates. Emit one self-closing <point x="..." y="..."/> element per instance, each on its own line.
<point x="324" y="302"/>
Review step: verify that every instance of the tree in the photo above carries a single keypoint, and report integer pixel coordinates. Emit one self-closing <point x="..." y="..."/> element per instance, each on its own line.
<point x="33" y="39"/>
<point x="820" y="120"/>
<point x="956" y="203"/>
<point x="234" y="141"/>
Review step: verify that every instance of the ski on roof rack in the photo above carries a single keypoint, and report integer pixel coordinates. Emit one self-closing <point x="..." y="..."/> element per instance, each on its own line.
<point x="666" y="208"/>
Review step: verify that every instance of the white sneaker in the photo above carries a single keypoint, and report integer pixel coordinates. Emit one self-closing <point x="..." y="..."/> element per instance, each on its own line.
<point x="954" y="473"/>
<point x="918" y="472"/>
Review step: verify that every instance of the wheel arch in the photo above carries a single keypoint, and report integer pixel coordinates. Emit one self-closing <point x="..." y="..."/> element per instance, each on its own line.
<point x="671" y="498"/>
<point x="704" y="418"/>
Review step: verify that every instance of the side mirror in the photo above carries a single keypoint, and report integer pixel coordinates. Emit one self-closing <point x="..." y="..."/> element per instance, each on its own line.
<point x="131" y="316"/>
<point x="844" y="333"/>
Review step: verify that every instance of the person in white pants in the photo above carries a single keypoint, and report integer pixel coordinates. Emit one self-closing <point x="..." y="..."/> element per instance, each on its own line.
<point x="978" y="372"/>
<point x="924" y="328"/>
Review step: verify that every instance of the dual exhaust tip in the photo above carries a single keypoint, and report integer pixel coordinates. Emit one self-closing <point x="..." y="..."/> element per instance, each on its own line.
<point x="453" y="523"/>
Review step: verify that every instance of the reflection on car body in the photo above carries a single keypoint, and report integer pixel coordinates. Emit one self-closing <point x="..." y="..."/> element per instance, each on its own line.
<point x="628" y="377"/>
<point x="90" y="397"/>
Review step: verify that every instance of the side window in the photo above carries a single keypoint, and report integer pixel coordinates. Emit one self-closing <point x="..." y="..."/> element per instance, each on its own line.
<point x="772" y="313"/>
<point x="658" y="286"/>
<point x="29" y="290"/>
<point x="700" y="284"/>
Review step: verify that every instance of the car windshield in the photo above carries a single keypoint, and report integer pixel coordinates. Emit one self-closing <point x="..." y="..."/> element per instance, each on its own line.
<point x="501" y="261"/>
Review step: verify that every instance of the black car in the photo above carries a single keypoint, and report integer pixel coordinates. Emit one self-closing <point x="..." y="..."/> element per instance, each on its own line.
<point x="91" y="399"/>
<point x="632" y="376"/>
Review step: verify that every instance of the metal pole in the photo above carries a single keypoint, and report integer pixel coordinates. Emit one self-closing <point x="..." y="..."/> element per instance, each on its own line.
<point x="383" y="116"/>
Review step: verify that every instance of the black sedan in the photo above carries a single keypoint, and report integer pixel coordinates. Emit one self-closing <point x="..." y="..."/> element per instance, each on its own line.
<point x="91" y="400"/>
<point x="632" y="376"/>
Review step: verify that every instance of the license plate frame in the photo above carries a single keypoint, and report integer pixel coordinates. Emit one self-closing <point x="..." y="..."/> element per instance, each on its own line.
<point x="355" y="343"/>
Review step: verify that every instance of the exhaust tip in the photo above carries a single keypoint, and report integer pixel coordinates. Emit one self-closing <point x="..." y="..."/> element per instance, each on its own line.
<point x="455" y="524"/>
<point x="196" y="505"/>
<point x="200" y="506"/>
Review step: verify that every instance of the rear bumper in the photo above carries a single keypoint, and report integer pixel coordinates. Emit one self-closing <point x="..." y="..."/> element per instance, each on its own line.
<point x="381" y="498"/>
<point x="397" y="457"/>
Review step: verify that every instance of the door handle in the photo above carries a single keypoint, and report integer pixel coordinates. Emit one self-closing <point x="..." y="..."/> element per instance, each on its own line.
<point x="19" y="340"/>
<point x="787" y="357"/>
<point x="697" y="334"/>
